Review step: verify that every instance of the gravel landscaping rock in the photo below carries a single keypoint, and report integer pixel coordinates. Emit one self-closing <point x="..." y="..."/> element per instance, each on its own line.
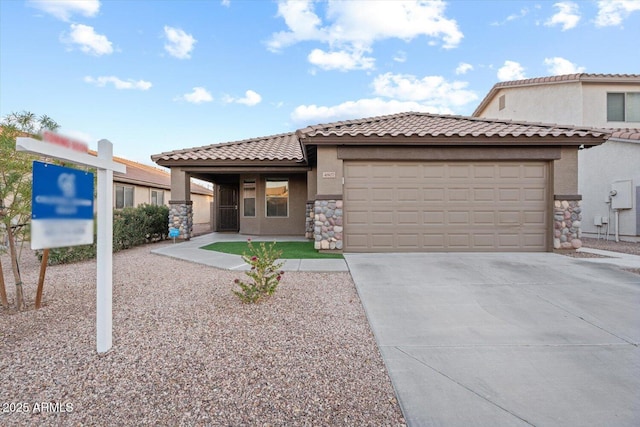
<point x="187" y="352"/>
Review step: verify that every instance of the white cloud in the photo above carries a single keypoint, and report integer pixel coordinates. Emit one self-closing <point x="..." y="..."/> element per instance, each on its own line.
<point x="309" y="114"/>
<point x="89" y="41"/>
<point x="523" y="12"/>
<point x="250" y="99"/>
<point x="226" y="3"/>
<point x="511" y="70"/>
<point x="349" y="32"/>
<point x="394" y="93"/>
<point x="567" y="15"/>
<point x="401" y="56"/>
<point x="558" y="66"/>
<point x="198" y="96"/>
<point x="463" y="68"/>
<point x="64" y="9"/>
<point x="179" y="44"/>
<point x="118" y="83"/>
<point x="613" y="12"/>
<point x="433" y="90"/>
<point x="340" y="60"/>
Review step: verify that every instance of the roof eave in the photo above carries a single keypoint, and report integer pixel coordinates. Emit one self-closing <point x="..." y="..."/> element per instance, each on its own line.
<point x="510" y="140"/>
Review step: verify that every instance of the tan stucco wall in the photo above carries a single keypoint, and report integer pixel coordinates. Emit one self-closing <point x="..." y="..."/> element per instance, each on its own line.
<point x="596" y="184"/>
<point x="330" y="173"/>
<point x="201" y="208"/>
<point x="547" y="104"/>
<point x="578" y="104"/>
<point x="292" y="225"/>
<point x="595" y="105"/>
<point x="565" y="172"/>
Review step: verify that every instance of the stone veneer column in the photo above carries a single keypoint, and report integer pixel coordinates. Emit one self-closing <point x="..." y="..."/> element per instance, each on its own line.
<point x="327" y="224"/>
<point x="567" y="220"/>
<point x="181" y="217"/>
<point x="309" y="222"/>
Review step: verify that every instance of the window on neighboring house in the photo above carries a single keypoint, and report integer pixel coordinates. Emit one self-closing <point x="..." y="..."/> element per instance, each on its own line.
<point x="157" y="197"/>
<point x="124" y="196"/>
<point x="249" y="198"/>
<point x="501" y="102"/>
<point x="277" y="195"/>
<point x="623" y="107"/>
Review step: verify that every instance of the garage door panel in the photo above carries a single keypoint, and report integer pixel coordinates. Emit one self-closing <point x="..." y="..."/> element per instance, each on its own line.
<point x="433" y="217"/>
<point x="458" y="218"/>
<point x="409" y="218"/>
<point x="458" y="195"/>
<point x="408" y="194"/>
<point x="382" y="218"/>
<point x="357" y="194"/>
<point x="509" y="195"/>
<point x="533" y="195"/>
<point x="438" y="206"/>
<point x="484" y="194"/>
<point x="459" y="171"/>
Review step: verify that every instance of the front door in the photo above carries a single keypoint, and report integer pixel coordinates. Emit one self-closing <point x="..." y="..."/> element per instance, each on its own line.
<point x="228" y="208"/>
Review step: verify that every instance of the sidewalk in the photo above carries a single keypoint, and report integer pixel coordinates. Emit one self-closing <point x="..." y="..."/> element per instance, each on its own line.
<point x="616" y="258"/>
<point x="190" y="251"/>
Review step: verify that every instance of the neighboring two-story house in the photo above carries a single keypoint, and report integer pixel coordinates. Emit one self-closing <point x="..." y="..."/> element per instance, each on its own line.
<point x="609" y="174"/>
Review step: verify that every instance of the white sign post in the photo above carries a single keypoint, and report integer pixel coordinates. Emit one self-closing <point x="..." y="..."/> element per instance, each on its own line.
<point x="67" y="149"/>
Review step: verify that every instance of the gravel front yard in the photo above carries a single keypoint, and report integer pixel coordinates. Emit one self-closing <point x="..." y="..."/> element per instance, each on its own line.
<point x="187" y="352"/>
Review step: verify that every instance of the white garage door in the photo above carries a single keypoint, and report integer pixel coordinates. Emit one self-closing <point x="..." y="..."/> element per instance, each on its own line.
<point x="445" y="206"/>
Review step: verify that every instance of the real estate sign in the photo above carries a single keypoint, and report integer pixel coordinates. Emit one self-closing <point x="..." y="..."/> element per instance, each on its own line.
<point x="62" y="207"/>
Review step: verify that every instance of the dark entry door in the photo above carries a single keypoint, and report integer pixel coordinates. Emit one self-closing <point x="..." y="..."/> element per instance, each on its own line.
<point x="228" y="208"/>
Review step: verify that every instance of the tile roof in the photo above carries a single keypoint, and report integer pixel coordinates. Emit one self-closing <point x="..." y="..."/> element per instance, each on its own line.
<point x="565" y="78"/>
<point x="148" y="176"/>
<point x="434" y="125"/>
<point x="626" y="134"/>
<point x="283" y="146"/>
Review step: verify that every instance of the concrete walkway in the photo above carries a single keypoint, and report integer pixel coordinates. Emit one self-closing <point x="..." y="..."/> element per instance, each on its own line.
<point x="614" y="258"/>
<point x="190" y="251"/>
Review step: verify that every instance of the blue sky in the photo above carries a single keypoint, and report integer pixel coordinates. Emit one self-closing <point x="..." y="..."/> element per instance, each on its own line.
<point x="154" y="76"/>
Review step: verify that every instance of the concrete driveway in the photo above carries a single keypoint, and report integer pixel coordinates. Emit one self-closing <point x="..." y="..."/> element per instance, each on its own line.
<point x="505" y="339"/>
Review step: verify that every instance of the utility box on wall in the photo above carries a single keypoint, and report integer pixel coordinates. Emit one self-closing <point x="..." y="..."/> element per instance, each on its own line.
<point x="621" y="196"/>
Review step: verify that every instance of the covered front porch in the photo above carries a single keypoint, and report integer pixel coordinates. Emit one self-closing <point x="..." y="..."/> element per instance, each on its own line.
<point x="261" y="186"/>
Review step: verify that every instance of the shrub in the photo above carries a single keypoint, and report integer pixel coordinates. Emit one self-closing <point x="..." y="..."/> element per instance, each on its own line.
<point x="264" y="274"/>
<point x="131" y="227"/>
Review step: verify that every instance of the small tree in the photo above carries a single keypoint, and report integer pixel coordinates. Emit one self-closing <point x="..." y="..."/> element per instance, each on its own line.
<point x="15" y="186"/>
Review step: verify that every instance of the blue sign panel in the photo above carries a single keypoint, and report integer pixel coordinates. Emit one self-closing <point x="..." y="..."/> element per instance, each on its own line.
<point x="62" y="207"/>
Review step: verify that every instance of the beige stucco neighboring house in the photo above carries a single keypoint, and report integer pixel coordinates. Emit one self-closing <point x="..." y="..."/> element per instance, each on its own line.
<point x="403" y="182"/>
<point x="610" y="101"/>
<point x="151" y="185"/>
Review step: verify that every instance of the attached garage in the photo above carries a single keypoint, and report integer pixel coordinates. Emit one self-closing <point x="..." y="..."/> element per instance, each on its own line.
<point x="446" y="206"/>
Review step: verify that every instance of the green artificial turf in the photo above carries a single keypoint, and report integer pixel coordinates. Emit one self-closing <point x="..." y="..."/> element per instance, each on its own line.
<point x="290" y="250"/>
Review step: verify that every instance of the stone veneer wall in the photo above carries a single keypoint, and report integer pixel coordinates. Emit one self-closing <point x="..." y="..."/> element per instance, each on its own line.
<point x="567" y="219"/>
<point x="309" y="223"/>
<point x="181" y="217"/>
<point x="327" y="224"/>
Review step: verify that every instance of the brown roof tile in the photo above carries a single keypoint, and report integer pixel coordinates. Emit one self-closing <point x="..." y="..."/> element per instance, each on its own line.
<point x="148" y="176"/>
<point x="283" y="146"/>
<point x="433" y="125"/>
<point x="626" y="134"/>
<point x="565" y="78"/>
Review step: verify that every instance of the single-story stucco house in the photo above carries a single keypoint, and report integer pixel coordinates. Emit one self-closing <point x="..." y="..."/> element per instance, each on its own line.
<point x="402" y="182"/>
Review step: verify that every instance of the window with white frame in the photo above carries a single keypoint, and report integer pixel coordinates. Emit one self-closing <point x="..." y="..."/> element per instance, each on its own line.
<point x="623" y="107"/>
<point x="249" y="198"/>
<point x="157" y="197"/>
<point x="277" y="197"/>
<point x="124" y="196"/>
